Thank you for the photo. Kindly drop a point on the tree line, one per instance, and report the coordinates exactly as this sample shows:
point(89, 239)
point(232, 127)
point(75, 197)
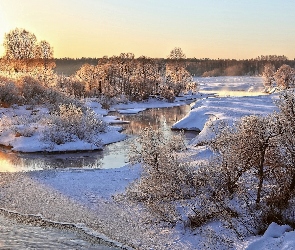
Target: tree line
point(123, 75)
point(197, 67)
point(232, 67)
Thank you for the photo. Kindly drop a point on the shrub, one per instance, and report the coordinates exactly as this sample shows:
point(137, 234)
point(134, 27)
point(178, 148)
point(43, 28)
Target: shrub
point(71, 86)
point(285, 77)
point(32, 91)
point(20, 125)
point(70, 123)
point(167, 93)
point(165, 179)
point(8, 93)
point(251, 178)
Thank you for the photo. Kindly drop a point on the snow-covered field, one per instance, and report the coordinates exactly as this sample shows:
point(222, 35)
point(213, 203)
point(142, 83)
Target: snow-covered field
point(231, 85)
point(86, 196)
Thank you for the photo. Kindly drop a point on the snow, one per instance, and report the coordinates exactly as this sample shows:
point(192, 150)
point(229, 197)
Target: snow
point(89, 185)
point(95, 189)
point(33, 143)
point(227, 85)
point(93, 104)
point(275, 237)
point(136, 107)
point(210, 111)
point(229, 108)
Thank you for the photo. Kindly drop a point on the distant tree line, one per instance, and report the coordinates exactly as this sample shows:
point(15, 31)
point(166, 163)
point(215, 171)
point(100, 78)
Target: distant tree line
point(197, 67)
point(68, 66)
point(232, 67)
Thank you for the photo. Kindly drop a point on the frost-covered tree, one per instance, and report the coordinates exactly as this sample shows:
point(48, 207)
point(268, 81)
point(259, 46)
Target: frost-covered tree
point(25, 57)
point(178, 79)
point(245, 147)
point(285, 157)
point(268, 75)
point(45, 54)
point(137, 79)
point(88, 74)
point(20, 44)
point(176, 54)
point(147, 78)
point(251, 178)
point(165, 178)
point(285, 77)
point(20, 47)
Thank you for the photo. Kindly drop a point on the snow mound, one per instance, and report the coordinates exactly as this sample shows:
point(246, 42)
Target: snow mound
point(275, 237)
point(275, 231)
point(210, 111)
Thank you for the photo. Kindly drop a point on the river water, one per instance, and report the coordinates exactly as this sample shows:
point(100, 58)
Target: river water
point(15, 235)
point(113, 156)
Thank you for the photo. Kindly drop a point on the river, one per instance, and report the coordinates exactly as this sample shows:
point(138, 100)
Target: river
point(15, 235)
point(113, 156)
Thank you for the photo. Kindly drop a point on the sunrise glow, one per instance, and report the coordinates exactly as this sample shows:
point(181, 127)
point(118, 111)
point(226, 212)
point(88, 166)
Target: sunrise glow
point(213, 29)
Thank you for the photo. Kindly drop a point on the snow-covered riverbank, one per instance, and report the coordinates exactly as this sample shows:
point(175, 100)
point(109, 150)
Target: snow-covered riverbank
point(22, 128)
point(87, 196)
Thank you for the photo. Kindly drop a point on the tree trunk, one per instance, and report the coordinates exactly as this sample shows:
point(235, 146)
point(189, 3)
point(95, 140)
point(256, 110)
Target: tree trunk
point(261, 173)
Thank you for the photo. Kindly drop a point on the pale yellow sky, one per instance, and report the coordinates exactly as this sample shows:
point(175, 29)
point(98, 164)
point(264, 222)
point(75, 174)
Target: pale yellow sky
point(211, 28)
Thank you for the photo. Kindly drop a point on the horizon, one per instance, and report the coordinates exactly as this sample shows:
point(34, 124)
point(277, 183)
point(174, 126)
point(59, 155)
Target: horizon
point(214, 29)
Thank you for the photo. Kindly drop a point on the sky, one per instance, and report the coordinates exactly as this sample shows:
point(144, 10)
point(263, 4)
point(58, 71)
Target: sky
point(228, 29)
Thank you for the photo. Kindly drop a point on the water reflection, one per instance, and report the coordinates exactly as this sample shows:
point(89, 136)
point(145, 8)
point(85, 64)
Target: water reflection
point(162, 118)
point(113, 156)
point(9, 162)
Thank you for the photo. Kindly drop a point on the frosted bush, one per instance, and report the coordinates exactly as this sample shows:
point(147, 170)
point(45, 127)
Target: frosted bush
point(32, 91)
point(5, 123)
point(167, 93)
point(69, 123)
point(8, 93)
point(165, 179)
point(19, 125)
point(55, 98)
point(45, 75)
point(72, 86)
